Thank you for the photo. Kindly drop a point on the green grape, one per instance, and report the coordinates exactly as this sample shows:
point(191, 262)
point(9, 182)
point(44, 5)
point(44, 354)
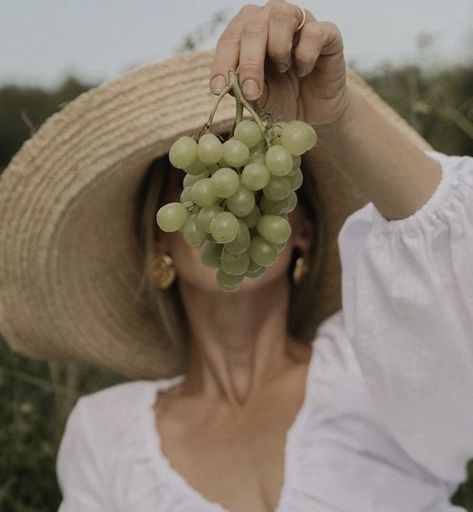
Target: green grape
point(292, 202)
point(256, 158)
point(235, 153)
point(242, 240)
point(278, 160)
point(229, 289)
point(224, 227)
point(210, 253)
point(209, 149)
point(296, 179)
point(262, 252)
point(228, 282)
point(203, 194)
point(239, 237)
point(248, 132)
point(252, 266)
point(186, 195)
point(274, 207)
point(274, 228)
point(296, 163)
point(193, 235)
point(259, 148)
point(190, 179)
point(255, 176)
point(225, 182)
point(274, 134)
point(205, 216)
point(234, 264)
point(298, 137)
point(256, 274)
point(183, 152)
point(242, 202)
point(277, 188)
point(172, 216)
point(213, 167)
point(196, 167)
point(253, 217)
point(281, 247)
point(254, 270)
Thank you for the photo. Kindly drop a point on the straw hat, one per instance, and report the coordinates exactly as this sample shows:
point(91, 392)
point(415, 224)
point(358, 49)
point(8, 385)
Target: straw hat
point(70, 263)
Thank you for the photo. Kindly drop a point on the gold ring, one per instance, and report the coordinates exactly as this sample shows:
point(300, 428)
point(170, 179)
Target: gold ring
point(301, 24)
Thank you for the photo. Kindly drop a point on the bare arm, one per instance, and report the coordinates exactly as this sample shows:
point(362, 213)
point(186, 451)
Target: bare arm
point(393, 173)
point(396, 176)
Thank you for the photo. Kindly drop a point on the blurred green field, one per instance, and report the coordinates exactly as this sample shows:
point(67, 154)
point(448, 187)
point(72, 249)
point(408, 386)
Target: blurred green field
point(36, 397)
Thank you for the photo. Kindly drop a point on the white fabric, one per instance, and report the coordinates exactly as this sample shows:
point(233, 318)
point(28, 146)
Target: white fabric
point(387, 420)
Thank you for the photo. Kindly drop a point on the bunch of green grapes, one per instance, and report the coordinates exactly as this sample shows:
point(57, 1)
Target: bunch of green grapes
point(237, 196)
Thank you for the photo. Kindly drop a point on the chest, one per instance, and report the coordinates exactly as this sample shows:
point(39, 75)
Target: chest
point(237, 462)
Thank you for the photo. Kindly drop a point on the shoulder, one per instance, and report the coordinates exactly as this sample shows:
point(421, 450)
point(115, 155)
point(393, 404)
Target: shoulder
point(119, 400)
point(113, 415)
point(103, 430)
point(107, 425)
point(114, 397)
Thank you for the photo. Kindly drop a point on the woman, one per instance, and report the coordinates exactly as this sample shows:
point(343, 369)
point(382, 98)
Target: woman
point(370, 412)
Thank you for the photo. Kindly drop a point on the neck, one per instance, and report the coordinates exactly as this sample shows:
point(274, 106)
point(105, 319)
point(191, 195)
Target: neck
point(238, 341)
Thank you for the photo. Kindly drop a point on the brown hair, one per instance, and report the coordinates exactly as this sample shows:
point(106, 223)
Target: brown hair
point(166, 305)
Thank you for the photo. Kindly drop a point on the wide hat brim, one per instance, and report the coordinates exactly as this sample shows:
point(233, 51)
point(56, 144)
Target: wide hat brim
point(70, 262)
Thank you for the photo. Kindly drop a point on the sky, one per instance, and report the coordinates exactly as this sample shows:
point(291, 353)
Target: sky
point(45, 40)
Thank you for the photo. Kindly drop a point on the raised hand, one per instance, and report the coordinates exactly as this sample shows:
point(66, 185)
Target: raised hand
point(289, 74)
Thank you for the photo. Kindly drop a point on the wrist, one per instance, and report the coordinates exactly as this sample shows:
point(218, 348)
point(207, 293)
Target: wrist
point(328, 133)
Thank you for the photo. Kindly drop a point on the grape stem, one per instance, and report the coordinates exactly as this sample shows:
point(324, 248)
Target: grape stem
point(236, 89)
point(209, 122)
point(238, 116)
point(233, 87)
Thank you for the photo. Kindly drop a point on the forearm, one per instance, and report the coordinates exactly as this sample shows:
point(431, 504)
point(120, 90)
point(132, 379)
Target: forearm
point(396, 176)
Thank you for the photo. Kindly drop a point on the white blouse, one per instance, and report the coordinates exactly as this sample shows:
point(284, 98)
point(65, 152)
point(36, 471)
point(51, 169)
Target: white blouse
point(387, 419)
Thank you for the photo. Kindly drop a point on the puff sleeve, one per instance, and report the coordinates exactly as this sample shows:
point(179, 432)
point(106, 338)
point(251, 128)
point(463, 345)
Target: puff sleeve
point(407, 293)
point(78, 467)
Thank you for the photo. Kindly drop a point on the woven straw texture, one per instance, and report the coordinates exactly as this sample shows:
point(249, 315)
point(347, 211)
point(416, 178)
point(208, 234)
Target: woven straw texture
point(70, 263)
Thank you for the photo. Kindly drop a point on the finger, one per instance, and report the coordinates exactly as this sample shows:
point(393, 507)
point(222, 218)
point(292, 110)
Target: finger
point(253, 42)
point(283, 21)
point(317, 38)
point(227, 51)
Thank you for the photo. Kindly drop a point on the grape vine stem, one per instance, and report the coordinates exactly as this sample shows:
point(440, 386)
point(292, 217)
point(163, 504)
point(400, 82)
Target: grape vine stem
point(233, 87)
point(209, 122)
point(238, 115)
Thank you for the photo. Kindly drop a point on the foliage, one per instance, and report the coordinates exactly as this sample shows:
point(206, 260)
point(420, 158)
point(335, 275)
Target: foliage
point(439, 107)
point(23, 109)
point(37, 396)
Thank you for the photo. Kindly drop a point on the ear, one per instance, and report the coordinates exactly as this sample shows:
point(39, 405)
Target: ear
point(160, 244)
point(303, 232)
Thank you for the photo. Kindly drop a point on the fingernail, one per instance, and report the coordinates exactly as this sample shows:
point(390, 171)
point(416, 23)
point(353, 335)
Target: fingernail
point(250, 89)
point(282, 67)
point(303, 72)
point(217, 84)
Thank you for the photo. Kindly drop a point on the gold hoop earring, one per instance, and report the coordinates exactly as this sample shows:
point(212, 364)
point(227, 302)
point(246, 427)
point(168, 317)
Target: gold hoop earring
point(300, 270)
point(163, 271)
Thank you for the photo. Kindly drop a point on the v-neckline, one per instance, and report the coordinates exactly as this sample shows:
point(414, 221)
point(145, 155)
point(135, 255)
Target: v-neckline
point(163, 466)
